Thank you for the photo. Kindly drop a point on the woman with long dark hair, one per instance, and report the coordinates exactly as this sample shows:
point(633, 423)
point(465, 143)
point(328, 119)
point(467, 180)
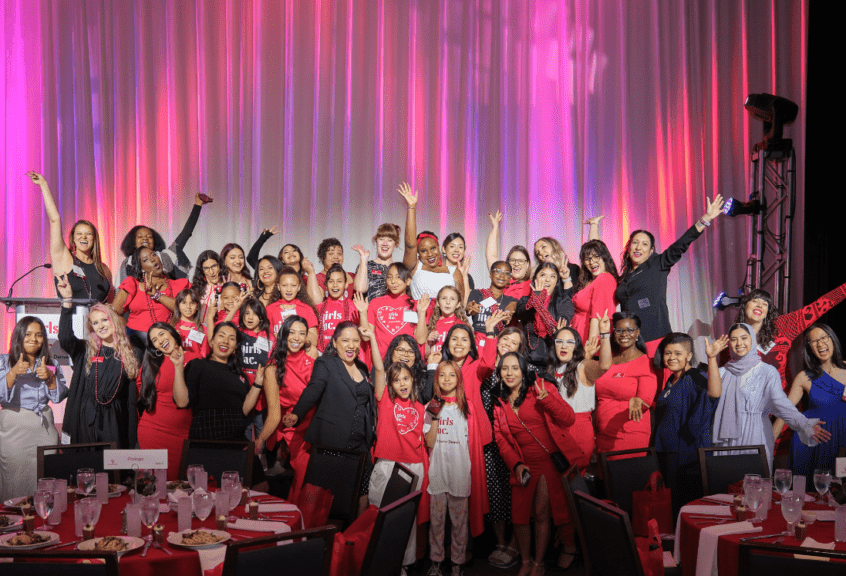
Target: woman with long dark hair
point(80, 259)
point(594, 291)
point(547, 308)
point(208, 279)
point(162, 425)
point(235, 269)
point(267, 275)
point(30, 379)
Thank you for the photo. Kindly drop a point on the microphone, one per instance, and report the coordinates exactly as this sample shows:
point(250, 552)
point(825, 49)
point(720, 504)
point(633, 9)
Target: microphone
point(47, 265)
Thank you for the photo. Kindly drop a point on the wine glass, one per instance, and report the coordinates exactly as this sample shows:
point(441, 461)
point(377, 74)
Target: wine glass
point(782, 480)
point(203, 504)
point(746, 480)
point(150, 512)
point(192, 474)
point(43, 502)
point(755, 495)
point(85, 480)
point(822, 479)
point(791, 508)
point(48, 484)
point(232, 482)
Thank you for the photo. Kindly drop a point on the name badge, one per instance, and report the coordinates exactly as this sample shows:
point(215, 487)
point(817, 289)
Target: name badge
point(78, 271)
point(488, 302)
point(410, 316)
point(195, 336)
point(643, 303)
point(288, 312)
point(262, 344)
point(96, 358)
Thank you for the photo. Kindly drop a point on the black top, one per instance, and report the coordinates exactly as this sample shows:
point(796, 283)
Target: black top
point(560, 306)
point(87, 283)
point(182, 266)
point(101, 402)
point(377, 275)
point(211, 386)
point(644, 290)
point(337, 397)
point(253, 256)
point(479, 319)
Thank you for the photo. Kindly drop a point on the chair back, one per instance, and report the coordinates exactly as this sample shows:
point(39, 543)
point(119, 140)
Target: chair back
point(58, 563)
point(573, 482)
point(400, 484)
point(756, 558)
point(609, 541)
point(389, 538)
point(720, 470)
point(309, 554)
point(63, 460)
point(217, 457)
point(625, 475)
point(339, 471)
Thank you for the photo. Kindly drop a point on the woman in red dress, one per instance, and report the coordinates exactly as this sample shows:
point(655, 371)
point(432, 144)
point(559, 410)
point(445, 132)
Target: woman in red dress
point(162, 425)
point(594, 289)
point(625, 392)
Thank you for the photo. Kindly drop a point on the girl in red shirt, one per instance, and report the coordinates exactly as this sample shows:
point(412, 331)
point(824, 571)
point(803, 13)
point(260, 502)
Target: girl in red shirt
point(399, 431)
point(225, 308)
point(448, 311)
point(287, 375)
point(390, 315)
point(186, 320)
point(294, 301)
point(233, 259)
point(336, 308)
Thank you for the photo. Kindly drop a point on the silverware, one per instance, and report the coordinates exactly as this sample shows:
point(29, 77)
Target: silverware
point(747, 538)
point(714, 521)
point(146, 548)
point(63, 545)
point(160, 547)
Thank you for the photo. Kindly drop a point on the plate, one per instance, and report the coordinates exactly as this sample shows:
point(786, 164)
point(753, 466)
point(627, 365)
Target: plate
point(15, 502)
point(120, 488)
point(134, 544)
point(52, 535)
point(14, 522)
point(175, 538)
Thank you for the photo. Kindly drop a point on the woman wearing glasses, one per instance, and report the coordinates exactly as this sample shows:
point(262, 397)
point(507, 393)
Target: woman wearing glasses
point(624, 393)
point(594, 288)
point(483, 302)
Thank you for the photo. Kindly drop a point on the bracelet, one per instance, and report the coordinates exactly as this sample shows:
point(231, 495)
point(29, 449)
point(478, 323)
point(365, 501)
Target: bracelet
point(605, 335)
point(155, 297)
point(259, 386)
point(703, 222)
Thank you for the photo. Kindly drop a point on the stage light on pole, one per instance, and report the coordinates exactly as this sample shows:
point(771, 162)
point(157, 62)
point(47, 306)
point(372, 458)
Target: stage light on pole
point(723, 301)
point(734, 207)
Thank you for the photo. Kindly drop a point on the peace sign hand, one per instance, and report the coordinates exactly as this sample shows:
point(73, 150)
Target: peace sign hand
point(177, 357)
point(63, 287)
point(495, 218)
point(540, 388)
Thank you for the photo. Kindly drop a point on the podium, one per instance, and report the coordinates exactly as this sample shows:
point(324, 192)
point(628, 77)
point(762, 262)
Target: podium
point(48, 310)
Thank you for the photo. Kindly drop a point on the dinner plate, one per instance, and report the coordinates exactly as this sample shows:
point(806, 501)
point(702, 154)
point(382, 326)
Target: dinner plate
point(15, 522)
point(53, 538)
point(175, 538)
point(15, 502)
point(134, 544)
point(120, 488)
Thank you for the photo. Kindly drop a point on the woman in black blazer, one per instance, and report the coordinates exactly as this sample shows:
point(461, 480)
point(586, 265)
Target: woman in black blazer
point(342, 392)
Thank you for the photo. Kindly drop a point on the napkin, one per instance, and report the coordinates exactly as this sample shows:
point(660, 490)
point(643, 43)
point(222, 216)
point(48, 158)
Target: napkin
point(697, 509)
point(824, 515)
point(727, 498)
point(164, 508)
point(811, 543)
point(274, 507)
point(176, 495)
point(212, 557)
point(259, 526)
point(706, 559)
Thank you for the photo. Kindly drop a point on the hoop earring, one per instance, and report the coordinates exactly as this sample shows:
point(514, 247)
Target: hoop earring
point(157, 353)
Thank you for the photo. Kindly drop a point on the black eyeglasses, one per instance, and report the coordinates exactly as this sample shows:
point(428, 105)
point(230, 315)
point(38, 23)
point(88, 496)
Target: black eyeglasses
point(628, 331)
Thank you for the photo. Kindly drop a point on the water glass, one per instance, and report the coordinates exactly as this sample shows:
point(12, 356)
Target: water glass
point(822, 480)
point(150, 512)
point(85, 480)
point(791, 508)
point(48, 484)
point(192, 474)
point(43, 502)
point(782, 478)
point(755, 495)
point(203, 504)
point(746, 480)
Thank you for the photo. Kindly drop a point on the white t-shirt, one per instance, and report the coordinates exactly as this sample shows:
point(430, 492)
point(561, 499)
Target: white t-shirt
point(449, 463)
point(583, 400)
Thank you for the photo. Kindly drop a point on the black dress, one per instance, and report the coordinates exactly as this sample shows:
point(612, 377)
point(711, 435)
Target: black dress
point(87, 283)
point(101, 401)
point(216, 396)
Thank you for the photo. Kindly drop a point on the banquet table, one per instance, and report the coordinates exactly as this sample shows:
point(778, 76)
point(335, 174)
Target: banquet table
point(728, 545)
point(183, 561)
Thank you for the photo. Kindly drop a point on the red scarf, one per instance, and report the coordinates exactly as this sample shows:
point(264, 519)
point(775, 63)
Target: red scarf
point(488, 293)
point(544, 322)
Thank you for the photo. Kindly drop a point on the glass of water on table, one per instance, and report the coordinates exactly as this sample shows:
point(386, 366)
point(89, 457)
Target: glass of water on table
point(782, 479)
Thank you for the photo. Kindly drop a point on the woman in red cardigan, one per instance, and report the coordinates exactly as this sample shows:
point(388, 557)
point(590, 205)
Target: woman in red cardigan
point(531, 424)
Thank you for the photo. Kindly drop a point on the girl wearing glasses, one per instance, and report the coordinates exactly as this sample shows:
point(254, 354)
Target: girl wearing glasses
point(625, 392)
point(485, 301)
point(594, 289)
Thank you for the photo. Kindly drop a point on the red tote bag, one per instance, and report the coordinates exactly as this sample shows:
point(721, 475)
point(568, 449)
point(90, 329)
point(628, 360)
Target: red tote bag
point(653, 502)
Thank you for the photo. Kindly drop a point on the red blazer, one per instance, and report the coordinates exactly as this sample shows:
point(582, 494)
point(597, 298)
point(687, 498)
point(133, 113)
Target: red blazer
point(559, 416)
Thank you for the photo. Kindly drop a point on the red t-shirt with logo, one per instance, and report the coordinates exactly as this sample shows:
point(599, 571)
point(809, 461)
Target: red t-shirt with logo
point(399, 429)
point(385, 315)
point(442, 326)
point(193, 348)
point(281, 309)
point(333, 312)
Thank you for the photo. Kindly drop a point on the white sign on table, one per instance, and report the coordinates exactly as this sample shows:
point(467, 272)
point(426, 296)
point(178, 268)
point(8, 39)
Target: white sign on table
point(129, 459)
point(840, 467)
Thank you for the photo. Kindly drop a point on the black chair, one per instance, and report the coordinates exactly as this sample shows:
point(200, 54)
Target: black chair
point(59, 563)
point(309, 555)
point(400, 484)
point(771, 559)
point(217, 457)
point(625, 475)
point(718, 471)
point(391, 531)
point(66, 459)
point(573, 482)
point(609, 540)
point(339, 471)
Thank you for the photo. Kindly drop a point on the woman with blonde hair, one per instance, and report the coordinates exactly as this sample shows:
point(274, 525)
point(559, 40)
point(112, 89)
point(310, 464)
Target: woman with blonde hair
point(102, 399)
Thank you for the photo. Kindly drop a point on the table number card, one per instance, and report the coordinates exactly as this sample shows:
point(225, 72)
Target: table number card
point(129, 459)
point(840, 467)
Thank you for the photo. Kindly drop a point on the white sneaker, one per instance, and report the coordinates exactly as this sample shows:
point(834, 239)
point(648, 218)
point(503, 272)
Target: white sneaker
point(435, 570)
point(457, 571)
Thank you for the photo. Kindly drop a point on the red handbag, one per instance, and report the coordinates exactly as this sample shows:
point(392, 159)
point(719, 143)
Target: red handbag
point(655, 502)
point(650, 551)
point(314, 503)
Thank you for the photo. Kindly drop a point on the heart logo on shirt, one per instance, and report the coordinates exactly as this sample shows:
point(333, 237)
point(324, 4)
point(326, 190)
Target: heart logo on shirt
point(406, 418)
point(390, 318)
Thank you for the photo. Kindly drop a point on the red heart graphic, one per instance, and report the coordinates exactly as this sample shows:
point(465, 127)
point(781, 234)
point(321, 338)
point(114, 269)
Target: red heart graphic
point(390, 318)
point(406, 418)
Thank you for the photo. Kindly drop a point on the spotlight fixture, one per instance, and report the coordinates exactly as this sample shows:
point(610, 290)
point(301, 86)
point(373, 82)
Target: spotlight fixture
point(734, 207)
point(723, 301)
point(776, 113)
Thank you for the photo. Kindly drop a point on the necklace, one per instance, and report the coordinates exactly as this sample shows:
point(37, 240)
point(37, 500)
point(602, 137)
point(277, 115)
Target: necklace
point(150, 303)
point(97, 382)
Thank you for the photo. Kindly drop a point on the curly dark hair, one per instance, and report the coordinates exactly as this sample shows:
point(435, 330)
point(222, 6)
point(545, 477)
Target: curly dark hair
point(324, 246)
point(595, 248)
point(199, 281)
point(766, 335)
point(127, 245)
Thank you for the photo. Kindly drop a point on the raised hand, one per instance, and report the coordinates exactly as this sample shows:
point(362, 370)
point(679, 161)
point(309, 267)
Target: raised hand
point(494, 319)
point(541, 389)
point(63, 287)
point(41, 371)
point(464, 266)
point(177, 357)
point(362, 251)
point(592, 346)
point(604, 322)
point(423, 305)
point(433, 337)
point(307, 266)
point(594, 220)
point(273, 231)
point(538, 285)
point(260, 375)
point(562, 323)
point(473, 308)
point(713, 349)
point(201, 199)
point(366, 332)
point(495, 218)
point(434, 357)
point(714, 208)
point(36, 177)
point(21, 367)
point(409, 194)
point(360, 303)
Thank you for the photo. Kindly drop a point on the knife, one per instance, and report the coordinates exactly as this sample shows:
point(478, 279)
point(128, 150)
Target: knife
point(762, 537)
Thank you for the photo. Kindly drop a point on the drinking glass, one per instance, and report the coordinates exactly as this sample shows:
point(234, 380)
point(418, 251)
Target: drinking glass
point(746, 479)
point(203, 504)
point(791, 508)
point(150, 512)
point(231, 482)
point(43, 502)
point(96, 508)
point(86, 510)
point(822, 479)
point(192, 474)
point(85, 480)
point(48, 484)
point(755, 495)
point(782, 480)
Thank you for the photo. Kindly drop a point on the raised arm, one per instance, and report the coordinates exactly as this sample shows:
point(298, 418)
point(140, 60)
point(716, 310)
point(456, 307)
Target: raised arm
point(60, 256)
point(713, 349)
point(379, 382)
point(180, 388)
point(593, 232)
point(409, 257)
point(178, 245)
point(421, 330)
point(595, 369)
point(361, 280)
point(255, 250)
point(801, 385)
point(713, 209)
point(67, 339)
point(492, 245)
point(313, 289)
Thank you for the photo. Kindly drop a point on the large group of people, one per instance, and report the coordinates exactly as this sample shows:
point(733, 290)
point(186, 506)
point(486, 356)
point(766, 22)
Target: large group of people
point(486, 390)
